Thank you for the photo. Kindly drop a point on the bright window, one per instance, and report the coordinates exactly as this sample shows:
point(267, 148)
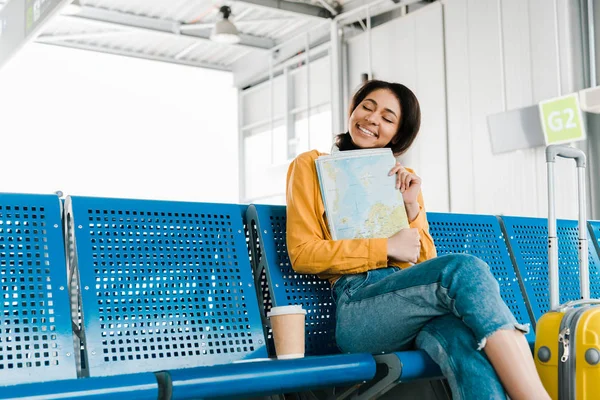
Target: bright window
point(314, 132)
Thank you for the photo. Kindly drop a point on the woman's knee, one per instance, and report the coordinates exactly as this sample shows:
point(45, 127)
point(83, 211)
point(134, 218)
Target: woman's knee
point(466, 267)
point(466, 262)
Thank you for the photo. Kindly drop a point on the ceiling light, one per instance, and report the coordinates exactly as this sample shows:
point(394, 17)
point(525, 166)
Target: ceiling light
point(224, 30)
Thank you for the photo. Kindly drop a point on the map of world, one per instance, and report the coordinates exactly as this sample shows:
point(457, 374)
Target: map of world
point(361, 200)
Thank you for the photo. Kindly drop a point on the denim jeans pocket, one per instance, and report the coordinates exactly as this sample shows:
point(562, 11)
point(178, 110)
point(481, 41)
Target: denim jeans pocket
point(357, 282)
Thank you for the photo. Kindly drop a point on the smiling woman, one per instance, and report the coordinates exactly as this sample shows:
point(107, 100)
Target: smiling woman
point(382, 114)
point(394, 293)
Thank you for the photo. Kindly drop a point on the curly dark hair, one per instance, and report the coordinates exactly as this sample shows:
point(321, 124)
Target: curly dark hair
point(410, 116)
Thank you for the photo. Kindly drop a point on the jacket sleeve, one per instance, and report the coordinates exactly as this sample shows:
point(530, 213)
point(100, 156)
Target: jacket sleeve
point(310, 248)
point(428, 250)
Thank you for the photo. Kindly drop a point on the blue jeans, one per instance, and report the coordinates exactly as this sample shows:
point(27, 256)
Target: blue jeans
point(447, 306)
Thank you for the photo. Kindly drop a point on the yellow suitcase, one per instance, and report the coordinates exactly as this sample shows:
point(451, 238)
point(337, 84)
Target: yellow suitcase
point(567, 345)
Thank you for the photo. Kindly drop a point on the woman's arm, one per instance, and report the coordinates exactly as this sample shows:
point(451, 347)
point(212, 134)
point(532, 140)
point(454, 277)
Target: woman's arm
point(309, 245)
point(420, 222)
point(409, 184)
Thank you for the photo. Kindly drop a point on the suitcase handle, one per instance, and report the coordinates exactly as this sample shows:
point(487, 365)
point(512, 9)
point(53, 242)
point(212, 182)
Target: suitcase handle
point(575, 303)
point(552, 152)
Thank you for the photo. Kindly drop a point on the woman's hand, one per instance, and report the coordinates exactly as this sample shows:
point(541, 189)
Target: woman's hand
point(407, 182)
point(404, 246)
point(410, 186)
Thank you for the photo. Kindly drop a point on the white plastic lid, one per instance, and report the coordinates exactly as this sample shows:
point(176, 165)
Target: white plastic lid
point(283, 310)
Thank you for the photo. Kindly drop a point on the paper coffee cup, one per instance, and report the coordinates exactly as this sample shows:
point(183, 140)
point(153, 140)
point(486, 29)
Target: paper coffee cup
point(287, 324)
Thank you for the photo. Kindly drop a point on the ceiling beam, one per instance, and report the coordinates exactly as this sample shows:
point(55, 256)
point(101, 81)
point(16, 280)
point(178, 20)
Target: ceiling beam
point(133, 54)
point(236, 22)
point(78, 36)
point(293, 8)
point(138, 23)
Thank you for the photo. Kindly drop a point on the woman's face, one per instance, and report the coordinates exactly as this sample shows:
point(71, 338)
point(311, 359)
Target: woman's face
point(375, 121)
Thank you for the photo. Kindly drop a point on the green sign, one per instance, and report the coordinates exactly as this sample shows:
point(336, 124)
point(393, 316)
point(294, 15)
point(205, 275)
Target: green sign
point(562, 121)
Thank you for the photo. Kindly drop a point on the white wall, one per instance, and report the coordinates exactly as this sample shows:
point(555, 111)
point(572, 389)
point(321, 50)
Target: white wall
point(410, 50)
point(465, 60)
point(101, 125)
point(501, 56)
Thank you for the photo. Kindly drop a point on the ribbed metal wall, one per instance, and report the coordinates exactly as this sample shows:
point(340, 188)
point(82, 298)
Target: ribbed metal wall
point(492, 56)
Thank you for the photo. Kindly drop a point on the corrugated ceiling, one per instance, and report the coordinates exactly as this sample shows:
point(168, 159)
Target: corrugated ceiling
point(160, 29)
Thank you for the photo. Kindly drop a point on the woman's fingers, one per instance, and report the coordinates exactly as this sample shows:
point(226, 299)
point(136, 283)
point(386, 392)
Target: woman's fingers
point(400, 180)
point(407, 180)
point(395, 169)
point(403, 178)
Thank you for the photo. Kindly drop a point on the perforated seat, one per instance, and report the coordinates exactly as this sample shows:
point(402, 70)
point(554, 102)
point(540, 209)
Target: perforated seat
point(282, 286)
point(481, 236)
point(594, 229)
point(528, 239)
point(167, 286)
point(36, 342)
point(478, 235)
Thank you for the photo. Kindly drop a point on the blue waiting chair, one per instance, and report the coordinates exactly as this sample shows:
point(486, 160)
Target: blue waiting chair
point(528, 239)
point(36, 340)
point(478, 235)
point(37, 356)
point(284, 286)
point(482, 236)
point(594, 229)
point(167, 287)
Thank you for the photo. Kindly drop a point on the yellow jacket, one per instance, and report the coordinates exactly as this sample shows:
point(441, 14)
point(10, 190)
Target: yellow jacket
point(309, 243)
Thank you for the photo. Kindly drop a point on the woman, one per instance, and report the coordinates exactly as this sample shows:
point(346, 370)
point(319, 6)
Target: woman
point(393, 293)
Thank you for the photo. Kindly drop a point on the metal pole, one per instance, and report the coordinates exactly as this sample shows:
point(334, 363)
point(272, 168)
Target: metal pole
point(241, 149)
point(592, 41)
point(336, 80)
point(557, 45)
point(584, 272)
point(369, 49)
point(502, 60)
point(290, 129)
point(272, 105)
point(552, 241)
point(307, 65)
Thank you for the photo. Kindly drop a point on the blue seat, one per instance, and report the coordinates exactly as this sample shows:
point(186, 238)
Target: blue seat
point(481, 236)
point(36, 339)
point(528, 239)
point(594, 229)
point(167, 286)
point(37, 354)
point(478, 235)
point(286, 287)
point(283, 286)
